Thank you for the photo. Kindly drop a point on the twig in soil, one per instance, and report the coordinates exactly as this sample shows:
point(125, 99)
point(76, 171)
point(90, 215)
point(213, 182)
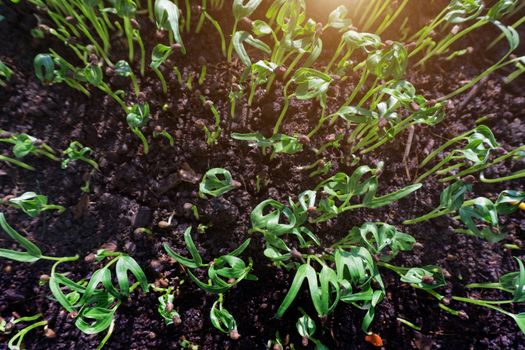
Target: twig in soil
point(472, 93)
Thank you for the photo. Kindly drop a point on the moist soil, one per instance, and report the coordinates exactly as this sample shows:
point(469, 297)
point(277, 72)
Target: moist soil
point(134, 190)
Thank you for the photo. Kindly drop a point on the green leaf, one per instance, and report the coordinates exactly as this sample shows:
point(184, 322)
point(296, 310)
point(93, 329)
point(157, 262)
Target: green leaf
point(196, 260)
point(159, 55)
point(216, 182)
point(338, 18)
point(508, 201)
point(427, 277)
point(95, 320)
point(93, 74)
point(241, 37)
point(138, 115)
point(242, 9)
point(484, 211)
point(304, 271)
point(272, 221)
point(44, 68)
point(167, 17)
point(32, 254)
point(123, 69)
point(127, 264)
point(305, 326)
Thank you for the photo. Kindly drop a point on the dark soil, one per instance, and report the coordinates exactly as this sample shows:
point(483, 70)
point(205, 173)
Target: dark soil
point(133, 190)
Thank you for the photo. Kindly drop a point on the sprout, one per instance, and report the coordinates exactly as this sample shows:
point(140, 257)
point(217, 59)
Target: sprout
point(123, 69)
point(5, 74)
point(75, 152)
point(224, 272)
point(167, 17)
point(33, 204)
point(217, 182)
point(222, 320)
point(159, 55)
point(240, 11)
point(138, 117)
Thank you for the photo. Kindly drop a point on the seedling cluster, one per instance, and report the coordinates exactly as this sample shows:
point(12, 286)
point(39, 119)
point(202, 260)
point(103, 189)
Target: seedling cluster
point(358, 88)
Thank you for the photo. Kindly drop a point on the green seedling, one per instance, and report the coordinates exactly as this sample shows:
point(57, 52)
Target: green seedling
point(216, 182)
point(93, 75)
point(5, 74)
point(223, 272)
point(278, 144)
point(240, 10)
point(212, 136)
point(95, 301)
point(52, 69)
point(76, 152)
point(451, 200)
point(159, 55)
point(123, 69)
point(138, 117)
point(167, 16)
point(260, 72)
point(32, 204)
point(306, 328)
point(512, 283)
point(222, 320)
point(16, 342)
point(159, 132)
point(310, 84)
point(479, 143)
point(23, 145)
point(166, 308)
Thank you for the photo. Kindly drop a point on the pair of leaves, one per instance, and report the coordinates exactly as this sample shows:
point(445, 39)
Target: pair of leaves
point(216, 182)
point(240, 38)
point(224, 272)
point(389, 63)
point(221, 318)
point(380, 239)
point(138, 115)
point(482, 210)
point(32, 204)
point(280, 143)
point(324, 289)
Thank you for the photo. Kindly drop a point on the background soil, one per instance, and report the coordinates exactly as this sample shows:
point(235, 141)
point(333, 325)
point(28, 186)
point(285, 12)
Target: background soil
point(133, 190)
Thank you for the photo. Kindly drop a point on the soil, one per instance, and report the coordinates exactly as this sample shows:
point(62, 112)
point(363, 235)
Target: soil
point(134, 190)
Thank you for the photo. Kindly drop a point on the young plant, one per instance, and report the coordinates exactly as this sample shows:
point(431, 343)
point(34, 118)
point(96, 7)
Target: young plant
point(159, 55)
point(240, 11)
point(23, 145)
point(479, 143)
point(95, 301)
point(512, 283)
point(224, 272)
point(5, 74)
point(166, 308)
point(309, 84)
point(123, 69)
point(52, 68)
point(306, 328)
point(76, 152)
point(16, 342)
point(167, 16)
point(216, 182)
point(92, 74)
point(222, 320)
point(32, 204)
point(278, 144)
point(213, 135)
point(138, 117)
point(451, 200)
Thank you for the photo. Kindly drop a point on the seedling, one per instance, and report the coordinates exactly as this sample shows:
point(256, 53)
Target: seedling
point(5, 74)
point(513, 283)
point(159, 55)
point(240, 11)
point(166, 308)
point(23, 145)
point(222, 320)
point(306, 328)
point(76, 152)
point(16, 342)
point(167, 17)
point(32, 204)
point(138, 117)
point(123, 69)
point(279, 143)
point(216, 182)
point(213, 135)
point(224, 272)
point(32, 252)
point(309, 84)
